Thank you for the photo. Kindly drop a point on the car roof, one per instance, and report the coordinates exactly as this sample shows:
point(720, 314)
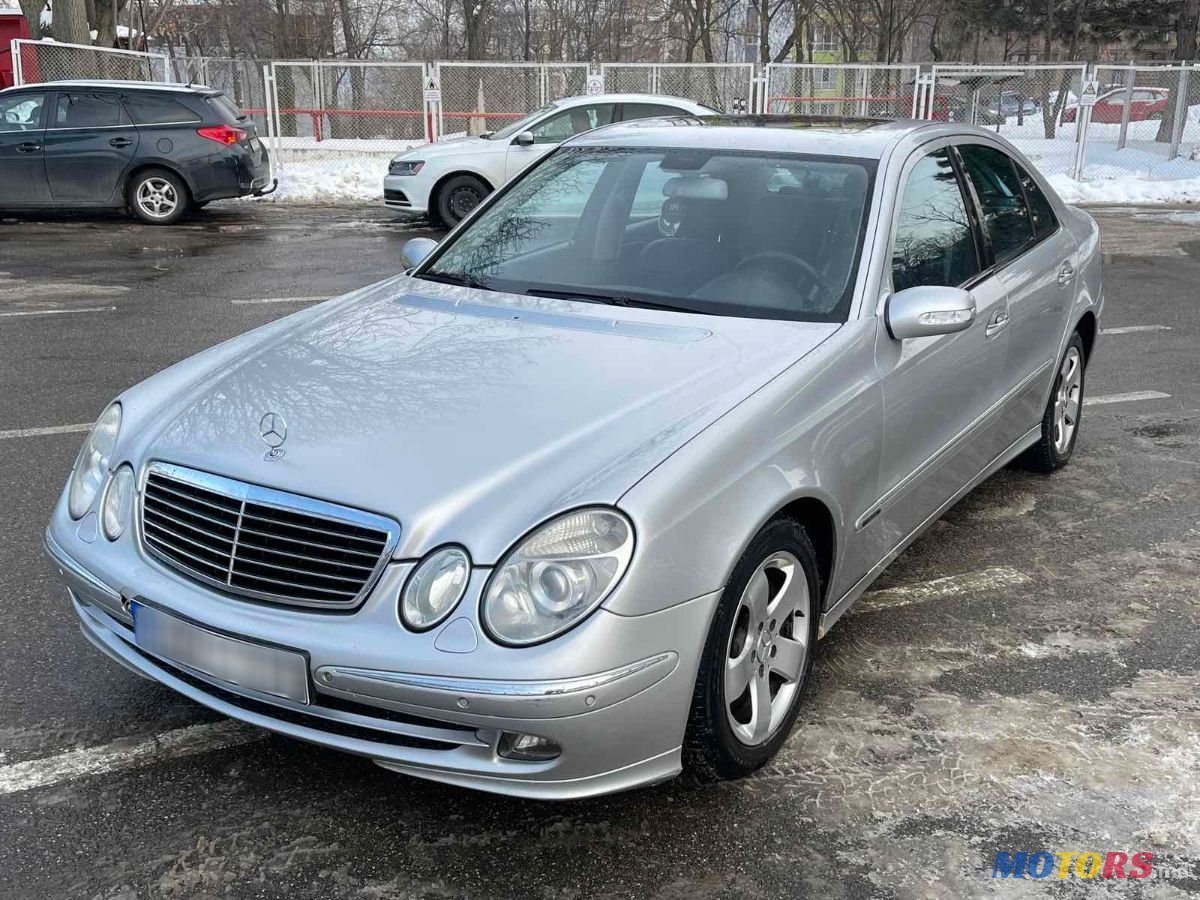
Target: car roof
point(581, 99)
point(824, 135)
point(123, 85)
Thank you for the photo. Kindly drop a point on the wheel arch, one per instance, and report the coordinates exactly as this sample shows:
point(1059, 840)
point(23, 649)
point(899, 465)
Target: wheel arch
point(143, 165)
point(818, 522)
point(436, 191)
point(1086, 326)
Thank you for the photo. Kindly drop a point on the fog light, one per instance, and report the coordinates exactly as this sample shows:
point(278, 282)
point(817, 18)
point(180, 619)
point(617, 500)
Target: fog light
point(527, 747)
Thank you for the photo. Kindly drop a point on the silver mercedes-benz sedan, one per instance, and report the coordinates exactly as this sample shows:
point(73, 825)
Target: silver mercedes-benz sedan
point(565, 507)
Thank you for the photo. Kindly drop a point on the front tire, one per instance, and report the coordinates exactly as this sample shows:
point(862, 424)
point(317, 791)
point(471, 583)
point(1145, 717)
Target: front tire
point(158, 197)
point(458, 196)
point(1064, 412)
point(757, 657)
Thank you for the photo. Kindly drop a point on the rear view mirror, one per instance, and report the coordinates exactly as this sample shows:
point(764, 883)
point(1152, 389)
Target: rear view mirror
point(929, 310)
point(413, 253)
point(525, 138)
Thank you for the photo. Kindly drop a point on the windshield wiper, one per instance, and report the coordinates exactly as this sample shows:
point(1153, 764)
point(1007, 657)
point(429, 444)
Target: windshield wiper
point(608, 299)
point(459, 278)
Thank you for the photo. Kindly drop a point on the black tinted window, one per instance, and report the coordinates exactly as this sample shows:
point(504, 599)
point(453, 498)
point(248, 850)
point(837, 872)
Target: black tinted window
point(1044, 221)
point(648, 111)
point(934, 243)
point(225, 108)
point(1004, 214)
point(88, 111)
point(157, 109)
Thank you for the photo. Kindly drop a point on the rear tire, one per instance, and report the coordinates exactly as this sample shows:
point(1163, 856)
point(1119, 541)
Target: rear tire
point(158, 197)
point(1063, 415)
point(458, 196)
point(759, 647)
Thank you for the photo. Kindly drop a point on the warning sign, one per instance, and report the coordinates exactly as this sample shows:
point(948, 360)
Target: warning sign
point(1087, 96)
point(433, 90)
point(595, 85)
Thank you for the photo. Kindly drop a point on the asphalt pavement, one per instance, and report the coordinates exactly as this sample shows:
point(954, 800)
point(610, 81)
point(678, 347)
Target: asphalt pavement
point(1026, 677)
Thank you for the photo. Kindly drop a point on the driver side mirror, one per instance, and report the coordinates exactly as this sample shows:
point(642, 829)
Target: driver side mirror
point(413, 253)
point(929, 310)
point(524, 139)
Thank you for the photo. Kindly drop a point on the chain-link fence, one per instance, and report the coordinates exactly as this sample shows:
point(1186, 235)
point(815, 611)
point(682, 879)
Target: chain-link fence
point(39, 61)
point(1029, 105)
point(860, 89)
point(1145, 121)
point(482, 96)
point(726, 87)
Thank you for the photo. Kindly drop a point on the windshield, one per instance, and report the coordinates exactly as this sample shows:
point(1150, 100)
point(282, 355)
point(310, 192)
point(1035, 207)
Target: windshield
point(521, 124)
point(721, 232)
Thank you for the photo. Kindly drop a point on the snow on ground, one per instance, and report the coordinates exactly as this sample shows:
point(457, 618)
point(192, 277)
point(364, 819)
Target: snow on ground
point(354, 179)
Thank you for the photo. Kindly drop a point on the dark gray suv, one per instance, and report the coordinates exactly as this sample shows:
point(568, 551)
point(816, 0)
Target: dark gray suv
point(157, 149)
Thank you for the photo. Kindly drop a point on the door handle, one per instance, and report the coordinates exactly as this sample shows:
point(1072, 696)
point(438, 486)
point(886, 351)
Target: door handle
point(28, 147)
point(997, 323)
point(1065, 274)
point(120, 142)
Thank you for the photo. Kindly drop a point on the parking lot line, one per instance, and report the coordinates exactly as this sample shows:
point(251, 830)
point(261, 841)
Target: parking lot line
point(38, 432)
point(1130, 397)
point(278, 300)
point(54, 312)
point(124, 754)
point(1134, 329)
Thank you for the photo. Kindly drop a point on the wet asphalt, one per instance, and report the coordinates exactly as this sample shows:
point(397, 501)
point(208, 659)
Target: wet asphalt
point(1046, 697)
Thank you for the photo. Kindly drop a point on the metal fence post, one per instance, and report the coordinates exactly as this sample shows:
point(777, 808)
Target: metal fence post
point(1181, 110)
point(1129, 80)
point(15, 50)
point(1082, 126)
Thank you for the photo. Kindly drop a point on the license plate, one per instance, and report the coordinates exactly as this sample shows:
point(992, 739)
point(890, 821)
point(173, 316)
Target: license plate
point(245, 664)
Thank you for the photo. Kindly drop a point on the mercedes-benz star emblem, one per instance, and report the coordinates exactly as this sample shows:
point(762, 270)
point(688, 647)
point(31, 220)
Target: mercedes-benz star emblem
point(273, 429)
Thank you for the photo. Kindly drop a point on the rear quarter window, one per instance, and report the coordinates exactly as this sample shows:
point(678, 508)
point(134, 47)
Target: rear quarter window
point(158, 109)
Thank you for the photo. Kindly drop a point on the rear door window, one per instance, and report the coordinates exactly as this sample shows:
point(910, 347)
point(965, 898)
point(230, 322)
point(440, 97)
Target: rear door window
point(1005, 216)
point(631, 111)
point(88, 110)
point(158, 109)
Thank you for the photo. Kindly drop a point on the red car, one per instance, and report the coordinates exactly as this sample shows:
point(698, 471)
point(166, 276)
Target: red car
point(1146, 103)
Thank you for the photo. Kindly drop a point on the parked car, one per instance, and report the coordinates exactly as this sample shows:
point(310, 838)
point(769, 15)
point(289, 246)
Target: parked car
point(447, 179)
point(1145, 103)
point(157, 149)
point(568, 507)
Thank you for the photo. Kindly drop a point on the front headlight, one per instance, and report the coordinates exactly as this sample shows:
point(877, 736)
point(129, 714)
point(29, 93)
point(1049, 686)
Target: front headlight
point(557, 575)
point(434, 588)
point(117, 504)
point(91, 466)
point(405, 166)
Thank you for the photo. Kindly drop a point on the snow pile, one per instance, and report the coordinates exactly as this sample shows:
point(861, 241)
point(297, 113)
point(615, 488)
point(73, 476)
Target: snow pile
point(357, 179)
point(1131, 189)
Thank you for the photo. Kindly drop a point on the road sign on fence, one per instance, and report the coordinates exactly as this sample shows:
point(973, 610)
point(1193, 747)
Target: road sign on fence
point(433, 90)
point(1087, 97)
point(595, 85)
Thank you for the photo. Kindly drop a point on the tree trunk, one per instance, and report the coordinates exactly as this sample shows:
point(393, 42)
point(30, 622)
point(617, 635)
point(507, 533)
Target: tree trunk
point(33, 16)
point(107, 14)
point(70, 22)
point(1185, 50)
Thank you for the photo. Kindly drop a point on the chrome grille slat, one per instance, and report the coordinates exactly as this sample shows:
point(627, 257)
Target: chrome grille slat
point(250, 516)
point(262, 543)
point(280, 537)
point(188, 525)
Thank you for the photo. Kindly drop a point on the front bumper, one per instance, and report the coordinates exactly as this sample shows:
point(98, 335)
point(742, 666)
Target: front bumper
point(619, 726)
point(407, 193)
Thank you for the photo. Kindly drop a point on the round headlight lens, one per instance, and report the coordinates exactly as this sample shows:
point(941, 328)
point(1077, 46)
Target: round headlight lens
point(117, 503)
point(91, 466)
point(434, 588)
point(557, 575)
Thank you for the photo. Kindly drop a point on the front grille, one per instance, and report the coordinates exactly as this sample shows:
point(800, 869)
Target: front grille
point(262, 543)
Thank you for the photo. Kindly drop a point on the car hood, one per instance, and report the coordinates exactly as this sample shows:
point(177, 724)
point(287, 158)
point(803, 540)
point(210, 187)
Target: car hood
point(468, 416)
point(454, 147)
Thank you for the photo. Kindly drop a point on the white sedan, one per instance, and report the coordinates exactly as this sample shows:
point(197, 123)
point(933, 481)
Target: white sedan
point(447, 179)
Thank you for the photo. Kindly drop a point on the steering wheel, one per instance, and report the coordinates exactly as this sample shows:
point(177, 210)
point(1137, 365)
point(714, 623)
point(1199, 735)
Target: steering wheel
point(785, 264)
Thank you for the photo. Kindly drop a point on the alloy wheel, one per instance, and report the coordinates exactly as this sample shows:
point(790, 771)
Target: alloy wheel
point(1067, 400)
point(157, 197)
point(767, 649)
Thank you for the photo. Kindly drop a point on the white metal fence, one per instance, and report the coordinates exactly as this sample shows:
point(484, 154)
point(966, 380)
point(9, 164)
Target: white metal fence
point(859, 89)
point(1145, 123)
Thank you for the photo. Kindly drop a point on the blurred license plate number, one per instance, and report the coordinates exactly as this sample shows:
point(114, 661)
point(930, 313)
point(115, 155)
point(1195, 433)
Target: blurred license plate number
point(257, 667)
